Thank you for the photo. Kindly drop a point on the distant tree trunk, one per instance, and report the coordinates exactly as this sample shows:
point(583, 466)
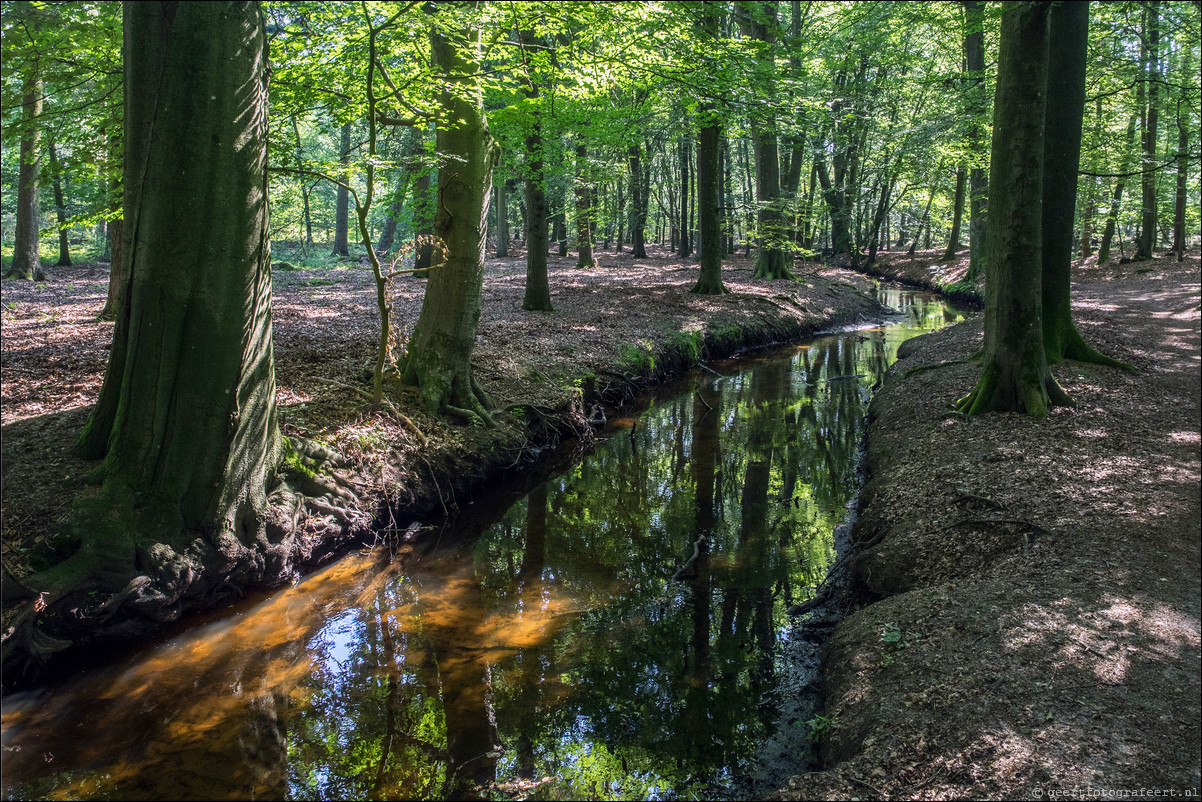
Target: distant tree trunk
point(307, 219)
point(1179, 205)
point(1069, 34)
point(342, 210)
point(682, 152)
point(709, 173)
point(440, 350)
point(584, 204)
point(1015, 375)
point(1151, 77)
point(978, 179)
point(561, 227)
point(1091, 209)
point(835, 202)
point(621, 214)
point(502, 219)
point(926, 213)
point(423, 220)
point(1116, 199)
point(728, 194)
point(953, 242)
point(770, 261)
point(60, 208)
point(388, 232)
point(638, 206)
point(538, 291)
point(27, 263)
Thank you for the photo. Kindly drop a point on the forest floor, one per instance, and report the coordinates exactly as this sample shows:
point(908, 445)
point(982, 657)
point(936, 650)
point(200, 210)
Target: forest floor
point(1035, 587)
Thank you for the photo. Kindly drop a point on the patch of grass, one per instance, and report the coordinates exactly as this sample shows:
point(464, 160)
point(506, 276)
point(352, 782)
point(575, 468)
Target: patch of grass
point(638, 358)
point(684, 347)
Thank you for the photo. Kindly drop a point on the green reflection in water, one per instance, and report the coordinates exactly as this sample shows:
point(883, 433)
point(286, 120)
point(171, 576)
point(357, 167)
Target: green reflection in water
point(612, 633)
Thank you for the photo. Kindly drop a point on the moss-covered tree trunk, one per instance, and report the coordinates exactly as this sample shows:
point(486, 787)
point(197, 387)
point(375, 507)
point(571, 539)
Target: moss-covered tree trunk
point(440, 350)
point(1065, 111)
point(1015, 375)
point(186, 420)
point(27, 264)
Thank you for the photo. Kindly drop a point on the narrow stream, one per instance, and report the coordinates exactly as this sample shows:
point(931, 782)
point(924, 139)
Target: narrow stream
point(618, 631)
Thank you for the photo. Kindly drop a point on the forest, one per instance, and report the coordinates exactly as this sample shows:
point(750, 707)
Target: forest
point(693, 399)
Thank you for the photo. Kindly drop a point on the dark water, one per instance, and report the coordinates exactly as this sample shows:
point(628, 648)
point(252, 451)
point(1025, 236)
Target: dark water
point(618, 631)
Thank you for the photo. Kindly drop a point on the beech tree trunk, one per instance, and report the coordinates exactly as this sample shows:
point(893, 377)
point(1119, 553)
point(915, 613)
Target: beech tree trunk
point(1069, 33)
point(978, 179)
point(502, 219)
point(27, 263)
point(584, 203)
point(186, 420)
point(638, 206)
point(342, 209)
point(1015, 375)
point(1147, 230)
point(60, 208)
point(440, 350)
point(538, 291)
point(709, 174)
point(1116, 199)
point(953, 241)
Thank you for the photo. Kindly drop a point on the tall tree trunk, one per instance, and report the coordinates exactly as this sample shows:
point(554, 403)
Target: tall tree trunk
point(638, 206)
point(1116, 199)
point(684, 250)
point(622, 215)
point(709, 174)
point(770, 261)
point(116, 304)
point(27, 263)
point(342, 209)
point(440, 351)
point(308, 218)
point(186, 420)
point(1069, 33)
point(388, 232)
point(60, 208)
point(502, 219)
point(953, 241)
point(1015, 375)
point(538, 292)
point(1151, 78)
point(978, 179)
point(1179, 205)
point(584, 212)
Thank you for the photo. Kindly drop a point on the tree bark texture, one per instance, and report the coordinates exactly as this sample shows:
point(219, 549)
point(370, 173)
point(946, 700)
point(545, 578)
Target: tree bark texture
point(1015, 375)
point(440, 351)
point(538, 291)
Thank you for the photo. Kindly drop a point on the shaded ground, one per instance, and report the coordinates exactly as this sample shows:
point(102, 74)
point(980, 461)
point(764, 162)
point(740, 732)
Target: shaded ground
point(614, 328)
point(1037, 622)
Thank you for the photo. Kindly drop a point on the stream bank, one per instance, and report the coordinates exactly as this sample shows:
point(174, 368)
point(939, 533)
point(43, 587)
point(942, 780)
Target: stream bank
point(1029, 590)
point(616, 329)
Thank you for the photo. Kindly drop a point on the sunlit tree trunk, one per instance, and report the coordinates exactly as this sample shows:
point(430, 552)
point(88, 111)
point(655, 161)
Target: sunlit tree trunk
point(440, 350)
point(1151, 78)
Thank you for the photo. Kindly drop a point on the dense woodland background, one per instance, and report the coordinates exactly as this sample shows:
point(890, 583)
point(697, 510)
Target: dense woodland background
point(849, 127)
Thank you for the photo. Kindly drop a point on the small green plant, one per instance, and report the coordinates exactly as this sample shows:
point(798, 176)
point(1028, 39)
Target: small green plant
point(894, 640)
point(638, 358)
point(820, 727)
